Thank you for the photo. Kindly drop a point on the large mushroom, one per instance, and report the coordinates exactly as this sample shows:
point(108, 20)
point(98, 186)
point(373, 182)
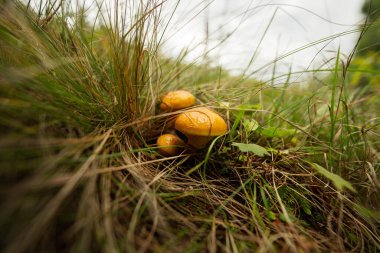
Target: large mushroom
point(176, 100)
point(200, 125)
point(169, 144)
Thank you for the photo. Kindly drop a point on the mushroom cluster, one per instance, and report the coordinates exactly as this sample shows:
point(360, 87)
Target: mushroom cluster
point(196, 126)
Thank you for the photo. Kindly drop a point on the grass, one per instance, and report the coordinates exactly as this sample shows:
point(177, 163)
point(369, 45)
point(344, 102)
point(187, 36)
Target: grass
point(80, 171)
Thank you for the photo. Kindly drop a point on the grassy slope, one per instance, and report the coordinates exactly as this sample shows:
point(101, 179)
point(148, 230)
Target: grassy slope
point(80, 171)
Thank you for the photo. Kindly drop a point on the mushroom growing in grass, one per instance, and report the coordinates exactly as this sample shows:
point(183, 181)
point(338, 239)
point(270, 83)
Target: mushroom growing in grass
point(176, 100)
point(170, 144)
point(200, 125)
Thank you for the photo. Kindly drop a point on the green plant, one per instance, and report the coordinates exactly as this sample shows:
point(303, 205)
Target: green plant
point(297, 171)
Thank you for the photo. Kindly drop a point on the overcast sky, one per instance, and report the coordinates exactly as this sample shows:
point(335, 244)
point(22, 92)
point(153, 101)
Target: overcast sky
point(240, 32)
point(295, 23)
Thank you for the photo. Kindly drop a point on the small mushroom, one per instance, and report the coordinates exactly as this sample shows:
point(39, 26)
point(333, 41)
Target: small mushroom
point(176, 100)
point(169, 144)
point(200, 125)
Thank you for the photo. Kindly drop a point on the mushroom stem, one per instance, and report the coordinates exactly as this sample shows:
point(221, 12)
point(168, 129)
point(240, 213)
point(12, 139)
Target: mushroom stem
point(169, 124)
point(198, 142)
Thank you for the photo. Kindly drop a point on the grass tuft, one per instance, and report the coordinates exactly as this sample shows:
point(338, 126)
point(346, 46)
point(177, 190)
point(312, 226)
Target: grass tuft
point(298, 170)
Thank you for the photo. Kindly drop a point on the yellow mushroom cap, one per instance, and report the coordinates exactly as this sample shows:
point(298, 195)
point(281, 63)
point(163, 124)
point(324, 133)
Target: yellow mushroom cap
point(169, 144)
point(176, 100)
point(200, 122)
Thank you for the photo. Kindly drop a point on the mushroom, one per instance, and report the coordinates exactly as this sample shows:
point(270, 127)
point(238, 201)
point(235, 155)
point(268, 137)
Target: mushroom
point(169, 144)
point(176, 100)
point(200, 125)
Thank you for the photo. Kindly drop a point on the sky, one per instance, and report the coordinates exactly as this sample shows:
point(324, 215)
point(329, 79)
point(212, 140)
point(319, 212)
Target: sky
point(242, 31)
point(256, 37)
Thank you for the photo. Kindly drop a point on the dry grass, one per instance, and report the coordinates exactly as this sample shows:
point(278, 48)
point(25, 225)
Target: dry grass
point(79, 166)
